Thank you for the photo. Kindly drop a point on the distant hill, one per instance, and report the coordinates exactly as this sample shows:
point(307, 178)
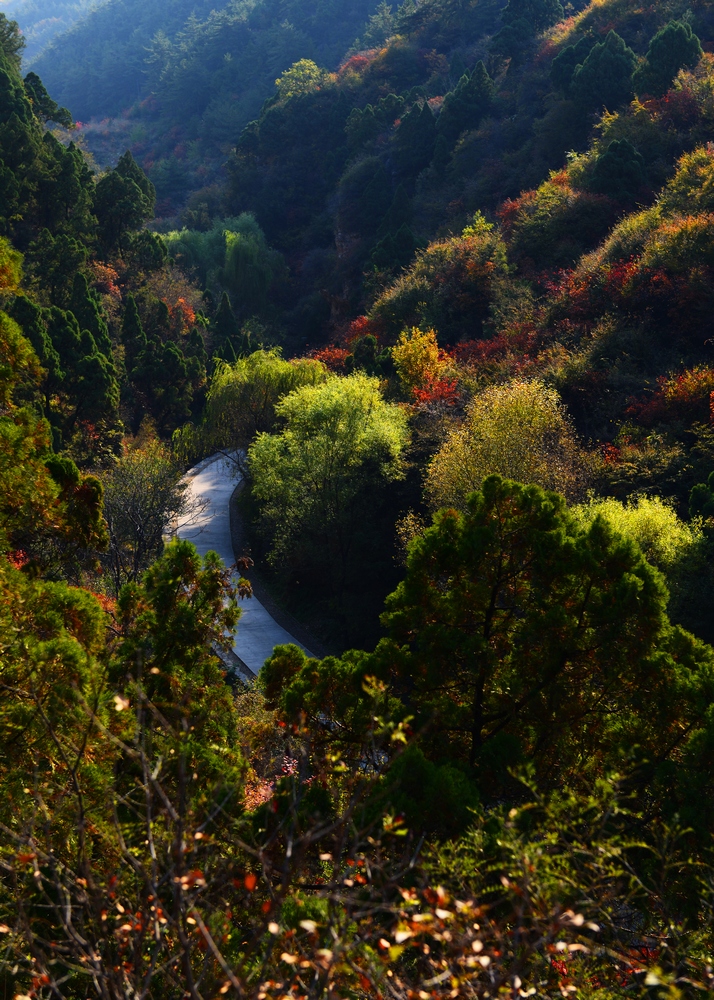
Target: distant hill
point(41, 20)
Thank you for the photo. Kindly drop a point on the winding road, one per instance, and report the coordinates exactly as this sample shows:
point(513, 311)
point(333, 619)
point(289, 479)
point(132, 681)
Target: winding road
point(211, 484)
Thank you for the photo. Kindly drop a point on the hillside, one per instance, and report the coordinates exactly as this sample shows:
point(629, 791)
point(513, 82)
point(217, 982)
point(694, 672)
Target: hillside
point(40, 21)
point(440, 281)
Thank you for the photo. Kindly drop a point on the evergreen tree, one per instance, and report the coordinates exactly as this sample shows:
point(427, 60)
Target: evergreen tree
point(123, 200)
point(11, 41)
point(563, 66)
point(674, 47)
point(415, 139)
point(29, 317)
point(43, 106)
point(132, 333)
point(226, 328)
point(399, 214)
point(605, 78)
point(619, 171)
point(465, 106)
point(86, 306)
point(540, 14)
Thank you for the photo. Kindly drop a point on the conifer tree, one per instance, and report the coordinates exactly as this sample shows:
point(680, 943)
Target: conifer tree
point(415, 138)
point(86, 306)
point(605, 78)
point(465, 106)
point(132, 333)
point(674, 47)
point(226, 328)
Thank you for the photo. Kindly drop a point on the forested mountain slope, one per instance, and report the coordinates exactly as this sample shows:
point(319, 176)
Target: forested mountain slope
point(449, 296)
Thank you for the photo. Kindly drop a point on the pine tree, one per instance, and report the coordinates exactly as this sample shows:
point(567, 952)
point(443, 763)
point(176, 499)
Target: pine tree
point(132, 333)
point(225, 326)
point(605, 78)
point(415, 139)
point(465, 106)
point(674, 47)
point(86, 306)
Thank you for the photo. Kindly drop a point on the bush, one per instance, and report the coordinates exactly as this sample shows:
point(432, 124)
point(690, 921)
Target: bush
point(519, 430)
point(314, 479)
point(448, 288)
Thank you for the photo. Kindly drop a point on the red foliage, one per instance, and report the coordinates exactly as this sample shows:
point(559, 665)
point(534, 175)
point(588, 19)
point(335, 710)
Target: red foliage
point(678, 109)
point(358, 63)
point(18, 558)
point(357, 329)
point(436, 390)
point(685, 398)
point(332, 356)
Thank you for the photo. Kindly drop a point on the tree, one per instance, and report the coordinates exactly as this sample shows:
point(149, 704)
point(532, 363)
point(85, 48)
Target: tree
point(304, 77)
point(605, 77)
point(565, 63)
point(515, 628)
point(448, 287)
point(11, 41)
point(619, 171)
point(124, 199)
point(56, 260)
point(313, 479)
point(226, 328)
point(133, 336)
point(417, 358)
point(86, 306)
point(414, 139)
point(465, 106)
point(519, 430)
point(143, 496)
point(674, 47)
point(43, 106)
point(540, 14)
point(242, 400)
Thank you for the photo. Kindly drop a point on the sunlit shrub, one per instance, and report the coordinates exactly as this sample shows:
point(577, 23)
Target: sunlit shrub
point(650, 521)
point(520, 431)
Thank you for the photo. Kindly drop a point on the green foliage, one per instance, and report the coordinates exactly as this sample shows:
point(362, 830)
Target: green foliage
point(11, 41)
point(650, 522)
point(303, 77)
point(43, 106)
point(618, 171)
point(466, 105)
point(448, 287)
point(313, 479)
point(605, 76)
point(565, 63)
point(124, 199)
point(414, 140)
point(519, 430)
point(143, 495)
point(242, 399)
point(233, 255)
point(674, 47)
point(591, 613)
point(539, 14)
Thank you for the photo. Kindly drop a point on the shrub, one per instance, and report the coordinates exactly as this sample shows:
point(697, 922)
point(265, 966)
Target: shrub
point(448, 288)
point(520, 431)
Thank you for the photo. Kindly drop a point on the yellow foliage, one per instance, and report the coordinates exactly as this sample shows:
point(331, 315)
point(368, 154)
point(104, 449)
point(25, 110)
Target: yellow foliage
point(10, 267)
point(520, 431)
point(416, 358)
point(650, 521)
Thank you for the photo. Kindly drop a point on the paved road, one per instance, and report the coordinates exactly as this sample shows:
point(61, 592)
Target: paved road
point(213, 482)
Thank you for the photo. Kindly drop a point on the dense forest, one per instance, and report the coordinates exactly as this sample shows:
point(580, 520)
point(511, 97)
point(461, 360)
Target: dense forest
point(440, 277)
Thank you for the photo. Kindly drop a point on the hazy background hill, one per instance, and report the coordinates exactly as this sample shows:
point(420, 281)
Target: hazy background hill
point(41, 20)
